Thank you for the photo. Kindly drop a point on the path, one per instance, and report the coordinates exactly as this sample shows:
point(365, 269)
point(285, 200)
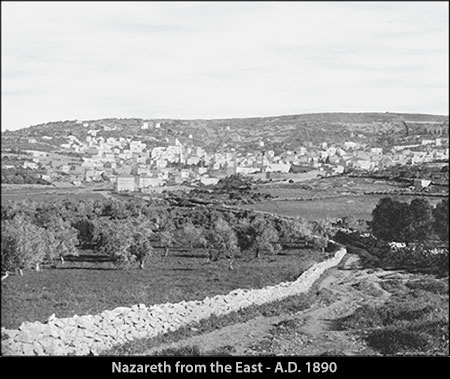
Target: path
point(309, 332)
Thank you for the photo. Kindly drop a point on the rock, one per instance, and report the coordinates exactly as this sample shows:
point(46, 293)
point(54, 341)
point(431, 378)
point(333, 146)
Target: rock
point(120, 310)
point(82, 349)
point(10, 334)
point(9, 347)
point(24, 336)
point(28, 349)
point(49, 344)
point(38, 348)
point(55, 331)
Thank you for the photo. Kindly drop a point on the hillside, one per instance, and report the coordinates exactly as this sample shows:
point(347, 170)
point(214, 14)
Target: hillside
point(277, 132)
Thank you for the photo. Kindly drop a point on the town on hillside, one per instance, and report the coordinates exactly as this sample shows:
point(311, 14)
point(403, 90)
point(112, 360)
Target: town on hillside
point(128, 164)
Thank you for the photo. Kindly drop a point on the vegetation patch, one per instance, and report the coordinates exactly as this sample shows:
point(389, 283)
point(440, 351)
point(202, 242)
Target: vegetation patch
point(413, 321)
point(90, 288)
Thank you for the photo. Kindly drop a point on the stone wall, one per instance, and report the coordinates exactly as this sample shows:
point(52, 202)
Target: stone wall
point(84, 335)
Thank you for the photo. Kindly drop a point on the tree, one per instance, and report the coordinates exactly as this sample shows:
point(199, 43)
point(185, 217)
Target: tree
point(115, 209)
point(390, 220)
point(193, 235)
point(63, 239)
point(323, 227)
point(266, 238)
point(440, 220)
point(86, 231)
point(318, 242)
point(223, 240)
point(24, 245)
point(421, 220)
point(140, 248)
point(166, 239)
point(259, 236)
point(113, 238)
point(296, 231)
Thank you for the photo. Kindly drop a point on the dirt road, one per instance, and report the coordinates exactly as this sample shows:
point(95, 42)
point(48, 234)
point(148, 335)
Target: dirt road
point(309, 332)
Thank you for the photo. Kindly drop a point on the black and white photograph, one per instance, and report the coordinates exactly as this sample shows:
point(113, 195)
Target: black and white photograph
point(225, 179)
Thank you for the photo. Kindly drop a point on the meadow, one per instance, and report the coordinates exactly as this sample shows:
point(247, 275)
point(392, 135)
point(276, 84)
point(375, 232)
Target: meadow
point(358, 206)
point(92, 287)
point(48, 194)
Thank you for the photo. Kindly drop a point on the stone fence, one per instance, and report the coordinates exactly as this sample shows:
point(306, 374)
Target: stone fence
point(92, 334)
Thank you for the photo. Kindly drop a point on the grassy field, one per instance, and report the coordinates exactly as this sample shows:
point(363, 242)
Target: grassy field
point(358, 206)
point(328, 186)
point(49, 194)
point(89, 288)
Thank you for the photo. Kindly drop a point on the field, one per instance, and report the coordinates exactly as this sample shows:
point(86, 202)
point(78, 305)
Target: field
point(327, 186)
point(358, 206)
point(89, 288)
point(48, 194)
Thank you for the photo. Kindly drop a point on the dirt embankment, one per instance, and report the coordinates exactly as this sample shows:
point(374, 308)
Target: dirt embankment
point(309, 332)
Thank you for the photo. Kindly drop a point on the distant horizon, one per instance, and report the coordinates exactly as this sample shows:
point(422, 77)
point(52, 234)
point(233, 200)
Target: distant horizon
point(224, 118)
point(220, 60)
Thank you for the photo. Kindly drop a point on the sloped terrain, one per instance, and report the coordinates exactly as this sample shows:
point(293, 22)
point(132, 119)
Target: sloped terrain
point(277, 132)
point(318, 330)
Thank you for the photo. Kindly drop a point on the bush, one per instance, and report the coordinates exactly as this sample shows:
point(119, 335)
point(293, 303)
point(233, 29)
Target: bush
point(392, 340)
point(409, 322)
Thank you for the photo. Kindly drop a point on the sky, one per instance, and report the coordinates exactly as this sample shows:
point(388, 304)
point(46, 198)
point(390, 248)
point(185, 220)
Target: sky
point(190, 60)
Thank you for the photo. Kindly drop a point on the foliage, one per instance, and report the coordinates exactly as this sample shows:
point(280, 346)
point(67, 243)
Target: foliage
point(140, 248)
point(318, 242)
point(390, 220)
point(296, 231)
point(222, 239)
point(24, 245)
point(194, 235)
point(420, 220)
point(124, 242)
point(107, 226)
point(440, 223)
point(64, 239)
point(86, 231)
point(415, 222)
point(410, 322)
point(166, 238)
point(259, 236)
point(19, 175)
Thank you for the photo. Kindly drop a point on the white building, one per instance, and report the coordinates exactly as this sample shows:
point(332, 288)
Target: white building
point(192, 161)
point(32, 165)
point(246, 170)
point(146, 181)
point(278, 167)
point(161, 163)
point(207, 181)
point(376, 150)
point(350, 145)
point(137, 146)
point(125, 184)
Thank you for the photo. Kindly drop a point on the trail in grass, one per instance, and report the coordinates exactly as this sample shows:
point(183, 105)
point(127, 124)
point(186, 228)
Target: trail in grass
point(309, 332)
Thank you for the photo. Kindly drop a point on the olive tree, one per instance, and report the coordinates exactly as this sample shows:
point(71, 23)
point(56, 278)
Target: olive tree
point(223, 240)
point(24, 245)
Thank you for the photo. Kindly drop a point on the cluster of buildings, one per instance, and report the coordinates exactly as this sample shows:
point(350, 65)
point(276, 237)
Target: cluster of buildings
point(133, 165)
